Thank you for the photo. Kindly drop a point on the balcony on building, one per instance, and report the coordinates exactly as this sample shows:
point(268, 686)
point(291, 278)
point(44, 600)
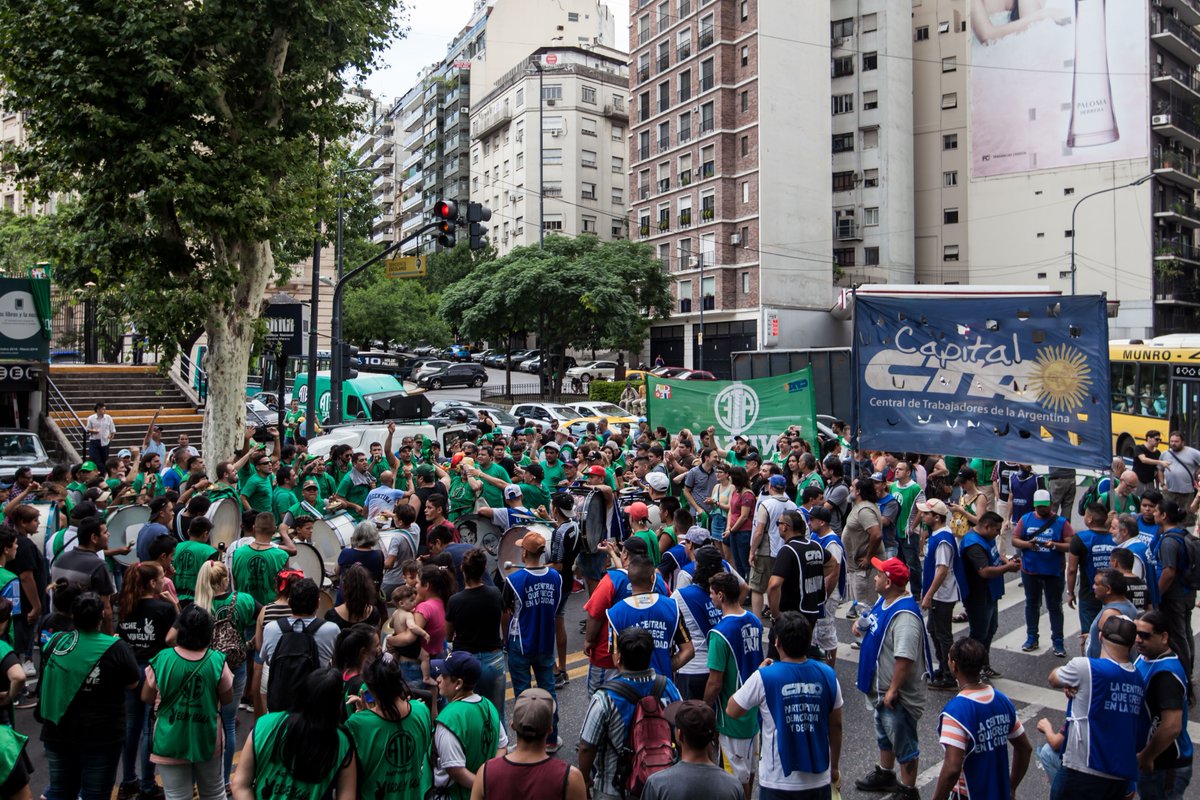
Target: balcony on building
point(365, 144)
point(384, 146)
point(706, 38)
point(413, 139)
point(664, 144)
point(385, 162)
point(457, 169)
point(1168, 252)
point(1179, 211)
point(414, 159)
point(1176, 124)
point(1187, 11)
point(685, 218)
point(616, 111)
point(1174, 286)
point(664, 223)
point(1176, 38)
point(552, 191)
point(1175, 167)
point(663, 63)
point(411, 203)
point(848, 231)
point(643, 74)
point(1179, 83)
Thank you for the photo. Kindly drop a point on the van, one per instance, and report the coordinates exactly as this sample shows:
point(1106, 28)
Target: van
point(360, 435)
point(367, 397)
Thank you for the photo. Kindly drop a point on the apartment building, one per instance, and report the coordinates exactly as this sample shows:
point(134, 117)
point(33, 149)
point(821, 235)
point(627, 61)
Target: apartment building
point(573, 179)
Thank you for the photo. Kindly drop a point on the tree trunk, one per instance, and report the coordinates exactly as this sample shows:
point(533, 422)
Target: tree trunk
point(230, 330)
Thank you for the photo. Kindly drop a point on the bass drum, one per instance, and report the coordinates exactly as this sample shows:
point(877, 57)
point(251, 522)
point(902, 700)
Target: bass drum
point(325, 604)
point(478, 530)
point(509, 556)
point(308, 560)
point(332, 534)
point(124, 522)
point(593, 521)
point(226, 517)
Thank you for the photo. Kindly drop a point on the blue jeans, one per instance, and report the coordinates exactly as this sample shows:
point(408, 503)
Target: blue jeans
point(229, 719)
point(739, 546)
point(524, 667)
point(719, 521)
point(137, 736)
point(896, 730)
point(491, 679)
point(86, 770)
point(1050, 587)
point(1050, 760)
point(1164, 784)
point(1070, 784)
point(597, 676)
point(908, 551)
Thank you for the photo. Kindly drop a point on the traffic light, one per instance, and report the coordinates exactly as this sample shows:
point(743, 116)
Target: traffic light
point(350, 362)
point(447, 213)
point(477, 214)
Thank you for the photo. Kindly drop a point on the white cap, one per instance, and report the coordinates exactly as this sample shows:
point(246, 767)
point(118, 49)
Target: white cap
point(657, 481)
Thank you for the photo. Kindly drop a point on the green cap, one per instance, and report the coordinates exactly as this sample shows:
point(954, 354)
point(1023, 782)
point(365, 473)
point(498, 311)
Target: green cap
point(424, 471)
point(88, 466)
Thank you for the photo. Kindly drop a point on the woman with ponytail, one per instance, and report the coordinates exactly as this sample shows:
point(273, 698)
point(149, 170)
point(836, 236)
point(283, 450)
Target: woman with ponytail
point(389, 714)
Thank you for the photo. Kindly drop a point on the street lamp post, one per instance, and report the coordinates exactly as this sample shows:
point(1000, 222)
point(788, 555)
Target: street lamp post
point(1138, 182)
point(700, 338)
point(337, 368)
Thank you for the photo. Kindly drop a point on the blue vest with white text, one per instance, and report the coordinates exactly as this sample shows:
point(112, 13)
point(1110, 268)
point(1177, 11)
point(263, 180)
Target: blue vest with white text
point(1112, 718)
point(1169, 664)
point(985, 765)
point(825, 541)
point(800, 697)
point(1021, 493)
point(1042, 562)
point(656, 613)
point(701, 607)
point(538, 595)
point(1141, 551)
point(621, 589)
point(1099, 546)
point(881, 619)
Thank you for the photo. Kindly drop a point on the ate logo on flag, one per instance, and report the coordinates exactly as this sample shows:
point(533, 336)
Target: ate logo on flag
point(662, 392)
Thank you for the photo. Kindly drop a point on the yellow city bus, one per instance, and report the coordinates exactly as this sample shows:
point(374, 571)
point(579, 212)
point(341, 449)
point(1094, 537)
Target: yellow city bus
point(1155, 386)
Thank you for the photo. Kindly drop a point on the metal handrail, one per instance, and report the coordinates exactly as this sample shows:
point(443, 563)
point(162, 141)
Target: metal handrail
point(185, 370)
point(69, 423)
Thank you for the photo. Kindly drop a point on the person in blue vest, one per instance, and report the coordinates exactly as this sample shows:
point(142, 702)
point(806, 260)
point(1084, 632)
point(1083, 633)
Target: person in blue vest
point(532, 597)
point(1165, 760)
point(1126, 536)
point(1090, 551)
point(678, 557)
point(1147, 519)
point(1022, 486)
point(800, 703)
point(657, 613)
point(975, 730)
point(513, 513)
point(1099, 758)
point(893, 663)
point(825, 635)
point(699, 614)
point(1043, 538)
point(735, 651)
point(943, 585)
point(1177, 597)
point(984, 569)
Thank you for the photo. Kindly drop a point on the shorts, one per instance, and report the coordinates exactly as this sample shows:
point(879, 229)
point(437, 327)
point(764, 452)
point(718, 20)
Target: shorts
point(760, 573)
point(825, 635)
point(896, 730)
point(592, 565)
point(740, 755)
point(599, 675)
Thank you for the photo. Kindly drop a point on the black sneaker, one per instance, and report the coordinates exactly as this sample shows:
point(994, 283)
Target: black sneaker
point(878, 780)
point(988, 674)
point(944, 684)
point(904, 793)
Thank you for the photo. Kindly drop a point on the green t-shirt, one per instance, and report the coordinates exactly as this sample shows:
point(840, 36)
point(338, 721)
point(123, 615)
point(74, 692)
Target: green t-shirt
point(272, 778)
point(734, 460)
point(245, 611)
point(651, 541)
point(814, 479)
point(722, 659)
point(189, 557)
point(325, 485)
point(139, 483)
point(907, 497)
point(257, 491)
point(534, 496)
point(282, 499)
point(553, 474)
point(379, 467)
point(354, 492)
point(393, 756)
point(462, 497)
point(983, 470)
point(254, 571)
point(187, 719)
point(494, 495)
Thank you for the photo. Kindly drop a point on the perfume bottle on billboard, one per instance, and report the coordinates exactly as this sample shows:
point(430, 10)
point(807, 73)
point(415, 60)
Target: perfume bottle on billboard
point(1093, 121)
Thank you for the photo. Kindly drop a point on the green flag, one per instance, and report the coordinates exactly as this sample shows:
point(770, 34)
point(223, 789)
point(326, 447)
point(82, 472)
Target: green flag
point(758, 409)
point(39, 285)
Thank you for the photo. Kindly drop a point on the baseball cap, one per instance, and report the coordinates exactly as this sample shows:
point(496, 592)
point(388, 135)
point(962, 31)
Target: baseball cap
point(613, 445)
point(697, 535)
point(821, 513)
point(879, 476)
point(533, 713)
point(512, 491)
point(87, 466)
point(124, 452)
point(1041, 498)
point(456, 459)
point(778, 481)
point(1120, 630)
point(593, 455)
point(657, 481)
point(596, 470)
point(424, 471)
point(936, 506)
point(459, 664)
point(310, 485)
point(158, 428)
point(550, 446)
point(894, 568)
point(570, 462)
point(532, 542)
point(638, 511)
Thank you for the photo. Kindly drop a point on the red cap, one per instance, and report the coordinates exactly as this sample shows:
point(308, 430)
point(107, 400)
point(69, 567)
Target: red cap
point(456, 459)
point(637, 510)
point(597, 470)
point(894, 568)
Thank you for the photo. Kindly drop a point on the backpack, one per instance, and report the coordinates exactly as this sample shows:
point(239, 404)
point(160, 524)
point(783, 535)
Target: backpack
point(226, 638)
point(294, 658)
point(649, 744)
point(1190, 576)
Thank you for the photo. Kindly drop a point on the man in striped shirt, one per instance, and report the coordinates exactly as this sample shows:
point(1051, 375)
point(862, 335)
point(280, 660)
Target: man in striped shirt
point(975, 730)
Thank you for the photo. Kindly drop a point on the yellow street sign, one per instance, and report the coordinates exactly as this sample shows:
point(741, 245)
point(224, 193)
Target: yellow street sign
point(405, 267)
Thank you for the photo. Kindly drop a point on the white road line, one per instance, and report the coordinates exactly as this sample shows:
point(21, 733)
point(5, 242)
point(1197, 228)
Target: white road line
point(1013, 640)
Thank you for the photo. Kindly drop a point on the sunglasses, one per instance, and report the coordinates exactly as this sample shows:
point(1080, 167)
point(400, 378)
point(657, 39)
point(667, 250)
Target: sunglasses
point(1145, 634)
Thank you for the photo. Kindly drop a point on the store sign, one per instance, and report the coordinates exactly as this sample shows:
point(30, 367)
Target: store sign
point(21, 330)
point(19, 377)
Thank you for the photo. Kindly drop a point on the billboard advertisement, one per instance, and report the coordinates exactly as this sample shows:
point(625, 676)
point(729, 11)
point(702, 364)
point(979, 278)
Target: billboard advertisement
point(1057, 83)
point(1021, 379)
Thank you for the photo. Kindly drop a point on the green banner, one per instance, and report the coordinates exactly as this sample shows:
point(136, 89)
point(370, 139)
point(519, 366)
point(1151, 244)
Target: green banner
point(758, 409)
point(39, 286)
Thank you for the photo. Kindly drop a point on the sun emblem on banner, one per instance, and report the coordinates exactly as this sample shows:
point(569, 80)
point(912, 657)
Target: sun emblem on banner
point(1060, 378)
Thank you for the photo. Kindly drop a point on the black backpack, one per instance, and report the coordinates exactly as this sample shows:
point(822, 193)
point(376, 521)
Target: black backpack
point(295, 656)
point(1189, 573)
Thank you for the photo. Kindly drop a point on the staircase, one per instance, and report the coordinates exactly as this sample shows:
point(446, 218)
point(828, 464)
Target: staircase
point(131, 396)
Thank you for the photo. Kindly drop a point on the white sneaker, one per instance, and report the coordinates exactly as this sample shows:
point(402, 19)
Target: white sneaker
point(30, 670)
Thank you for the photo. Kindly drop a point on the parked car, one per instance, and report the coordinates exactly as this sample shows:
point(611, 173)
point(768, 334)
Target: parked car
point(526, 362)
point(544, 412)
point(513, 358)
point(668, 372)
point(479, 357)
point(449, 409)
point(411, 365)
point(457, 352)
point(535, 365)
point(636, 375)
point(20, 448)
point(613, 413)
point(606, 370)
point(428, 368)
point(694, 375)
point(425, 350)
point(453, 375)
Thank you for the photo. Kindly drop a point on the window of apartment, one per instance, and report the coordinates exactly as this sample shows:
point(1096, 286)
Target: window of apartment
point(870, 178)
point(664, 255)
point(685, 290)
point(506, 167)
point(520, 98)
point(745, 191)
point(944, 26)
point(475, 156)
point(922, 33)
point(664, 96)
point(745, 10)
point(644, 29)
point(643, 144)
point(664, 176)
point(618, 164)
point(587, 158)
point(949, 63)
point(520, 135)
point(706, 74)
point(842, 28)
point(644, 106)
point(554, 123)
point(871, 216)
point(683, 44)
point(949, 216)
point(706, 30)
point(745, 145)
point(588, 94)
point(708, 207)
point(707, 123)
point(587, 127)
point(685, 85)
point(950, 178)
point(870, 100)
point(745, 282)
point(745, 56)
point(871, 256)
point(487, 146)
point(843, 103)
point(475, 184)
point(843, 181)
point(843, 142)
point(950, 252)
point(588, 190)
point(643, 67)
point(664, 16)
point(843, 256)
point(552, 188)
point(950, 100)
point(664, 216)
point(708, 287)
point(618, 133)
point(552, 155)
point(870, 22)
point(870, 61)
point(842, 66)
point(664, 56)
point(870, 138)
point(552, 91)
point(950, 141)
point(708, 161)
point(553, 222)
point(520, 160)
point(685, 126)
point(745, 100)
point(664, 135)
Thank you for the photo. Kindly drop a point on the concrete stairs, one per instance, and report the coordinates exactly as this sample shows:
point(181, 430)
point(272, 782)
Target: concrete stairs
point(131, 396)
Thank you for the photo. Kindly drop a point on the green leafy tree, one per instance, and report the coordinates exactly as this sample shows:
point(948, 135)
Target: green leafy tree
point(448, 267)
point(189, 133)
point(392, 311)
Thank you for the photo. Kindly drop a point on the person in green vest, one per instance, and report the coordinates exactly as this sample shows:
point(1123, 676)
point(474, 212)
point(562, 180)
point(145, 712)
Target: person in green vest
point(464, 485)
point(226, 486)
point(809, 475)
point(284, 495)
point(302, 753)
point(188, 683)
point(84, 731)
point(390, 721)
point(256, 489)
point(494, 478)
point(531, 480)
point(353, 489)
point(256, 564)
point(468, 730)
point(190, 555)
point(147, 484)
point(309, 505)
point(14, 774)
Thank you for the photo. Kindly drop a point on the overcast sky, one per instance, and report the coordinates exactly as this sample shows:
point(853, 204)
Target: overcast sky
point(431, 25)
